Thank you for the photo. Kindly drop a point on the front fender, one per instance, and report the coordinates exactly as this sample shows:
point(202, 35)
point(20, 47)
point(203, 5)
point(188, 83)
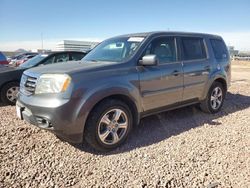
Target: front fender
point(92, 97)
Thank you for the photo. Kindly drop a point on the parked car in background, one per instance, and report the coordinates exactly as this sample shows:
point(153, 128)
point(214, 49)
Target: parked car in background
point(24, 59)
point(122, 80)
point(10, 76)
point(20, 56)
point(3, 59)
point(244, 57)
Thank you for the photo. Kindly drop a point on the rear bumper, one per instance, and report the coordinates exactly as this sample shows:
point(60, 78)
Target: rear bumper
point(60, 119)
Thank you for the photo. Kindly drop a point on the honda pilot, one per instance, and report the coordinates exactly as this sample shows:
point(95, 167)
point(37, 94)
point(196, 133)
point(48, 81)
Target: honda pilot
point(122, 80)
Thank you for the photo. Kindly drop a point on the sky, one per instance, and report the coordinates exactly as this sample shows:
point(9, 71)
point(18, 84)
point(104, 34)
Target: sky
point(24, 22)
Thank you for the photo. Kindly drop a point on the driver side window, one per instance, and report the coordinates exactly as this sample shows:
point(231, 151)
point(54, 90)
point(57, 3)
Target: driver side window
point(163, 48)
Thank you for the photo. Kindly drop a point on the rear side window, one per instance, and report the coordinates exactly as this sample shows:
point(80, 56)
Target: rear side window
point(193, 48)
point(76, 56)
point(59, 58)
point(219, 49)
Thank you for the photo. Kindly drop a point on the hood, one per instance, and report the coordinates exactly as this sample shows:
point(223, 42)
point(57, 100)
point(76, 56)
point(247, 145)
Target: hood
point(5, 69)
point(69, 68)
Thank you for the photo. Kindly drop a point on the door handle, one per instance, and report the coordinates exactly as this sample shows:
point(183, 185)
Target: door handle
point(175, 73)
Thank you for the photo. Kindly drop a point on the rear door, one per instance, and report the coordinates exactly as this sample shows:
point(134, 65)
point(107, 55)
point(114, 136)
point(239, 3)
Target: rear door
point(196, 66)
point(221, 56)
point(161, 85)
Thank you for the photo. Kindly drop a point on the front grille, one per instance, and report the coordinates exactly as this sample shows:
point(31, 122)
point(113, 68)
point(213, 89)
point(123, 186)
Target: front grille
point(28, 84)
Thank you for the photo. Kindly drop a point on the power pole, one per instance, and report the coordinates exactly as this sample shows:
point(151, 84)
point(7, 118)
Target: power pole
point(42, 40)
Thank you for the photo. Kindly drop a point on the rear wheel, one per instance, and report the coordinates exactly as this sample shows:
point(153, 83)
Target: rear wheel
point(215, 98)
point(108, 125)
point(9, 93)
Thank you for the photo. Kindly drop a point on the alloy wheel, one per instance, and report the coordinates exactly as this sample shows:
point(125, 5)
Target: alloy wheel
point(216, 98)
point(11, 93)
point(113, 126)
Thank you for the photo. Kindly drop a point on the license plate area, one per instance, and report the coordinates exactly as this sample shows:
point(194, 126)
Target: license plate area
point(19, 112)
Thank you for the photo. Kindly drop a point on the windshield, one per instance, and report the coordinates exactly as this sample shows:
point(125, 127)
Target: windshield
point(33, 61)
point(115, 50)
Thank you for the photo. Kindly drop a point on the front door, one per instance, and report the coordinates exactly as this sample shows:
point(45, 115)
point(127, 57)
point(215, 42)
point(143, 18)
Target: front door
point(161, 85)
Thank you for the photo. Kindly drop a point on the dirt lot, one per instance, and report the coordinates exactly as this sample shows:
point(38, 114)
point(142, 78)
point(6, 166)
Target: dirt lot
point(180, 148)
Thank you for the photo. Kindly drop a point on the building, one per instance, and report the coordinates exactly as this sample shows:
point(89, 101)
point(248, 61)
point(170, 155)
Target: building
point(232, 51)
point(41, 50)
point(75, 45)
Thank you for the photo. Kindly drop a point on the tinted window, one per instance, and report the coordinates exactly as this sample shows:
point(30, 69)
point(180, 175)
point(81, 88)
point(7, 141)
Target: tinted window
point(163, 48)
point(193, 48)
point(58, 58)
point(76, 56)
point(219, 49)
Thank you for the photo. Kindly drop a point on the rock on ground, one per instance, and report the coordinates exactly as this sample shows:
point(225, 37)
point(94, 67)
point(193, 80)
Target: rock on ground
point(180, 148)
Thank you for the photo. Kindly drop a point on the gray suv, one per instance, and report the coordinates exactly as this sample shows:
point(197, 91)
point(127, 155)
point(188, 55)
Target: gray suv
point(122, 80)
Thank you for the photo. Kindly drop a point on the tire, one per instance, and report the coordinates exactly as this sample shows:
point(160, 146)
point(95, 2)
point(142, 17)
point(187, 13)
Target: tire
point(210, 105)
point(103, 131)
point(9, 93)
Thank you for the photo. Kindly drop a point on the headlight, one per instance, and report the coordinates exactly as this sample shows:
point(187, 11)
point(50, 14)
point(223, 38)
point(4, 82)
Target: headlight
point(52, 83)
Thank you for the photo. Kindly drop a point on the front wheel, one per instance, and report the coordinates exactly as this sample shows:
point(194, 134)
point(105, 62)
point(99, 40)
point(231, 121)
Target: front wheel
point(108, 125)
point(215, 98)
point(9, 93)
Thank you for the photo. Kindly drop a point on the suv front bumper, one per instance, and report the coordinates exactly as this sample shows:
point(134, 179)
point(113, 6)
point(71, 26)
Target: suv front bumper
point(56, 116)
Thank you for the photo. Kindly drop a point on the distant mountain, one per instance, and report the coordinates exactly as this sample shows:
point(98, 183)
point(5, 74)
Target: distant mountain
point(20, 50)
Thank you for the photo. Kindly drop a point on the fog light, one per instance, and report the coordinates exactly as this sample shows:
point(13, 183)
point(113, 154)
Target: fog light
point(43, 122)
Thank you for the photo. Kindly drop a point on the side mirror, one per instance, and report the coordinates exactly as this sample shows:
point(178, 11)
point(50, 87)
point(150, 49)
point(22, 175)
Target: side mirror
point(149, 60)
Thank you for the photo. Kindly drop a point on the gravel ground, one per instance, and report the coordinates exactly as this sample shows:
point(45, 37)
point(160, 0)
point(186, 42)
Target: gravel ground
point(180, 148)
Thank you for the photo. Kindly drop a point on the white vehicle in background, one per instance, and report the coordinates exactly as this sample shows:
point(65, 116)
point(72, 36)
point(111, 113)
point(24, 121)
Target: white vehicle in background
point(242, 57)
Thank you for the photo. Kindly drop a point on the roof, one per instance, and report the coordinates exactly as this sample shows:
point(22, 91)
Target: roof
point(68, 51)
point(147, 34)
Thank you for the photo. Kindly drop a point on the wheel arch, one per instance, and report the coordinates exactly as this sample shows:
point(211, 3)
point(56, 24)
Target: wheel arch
point(123, 98)
point(223, 82)
point(7, 82)
point(215, 78)
point(4, 84)
point(128, 95)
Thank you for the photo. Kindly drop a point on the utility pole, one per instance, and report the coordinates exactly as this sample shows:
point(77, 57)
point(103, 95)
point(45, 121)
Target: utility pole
point(42, 40)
